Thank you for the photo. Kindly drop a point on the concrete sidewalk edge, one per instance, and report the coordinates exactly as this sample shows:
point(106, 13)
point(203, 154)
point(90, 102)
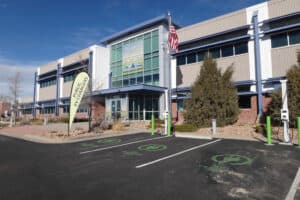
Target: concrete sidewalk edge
point(64, 140)
point(196, 135)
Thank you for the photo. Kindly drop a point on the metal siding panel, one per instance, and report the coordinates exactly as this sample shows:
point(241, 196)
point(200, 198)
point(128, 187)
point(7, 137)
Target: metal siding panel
point(67, 86)
point(48, 67)
point(77, 56)
point(187, 74)
point(215, 25)
point(283, 7)
point(47, 93)
point(283, 58)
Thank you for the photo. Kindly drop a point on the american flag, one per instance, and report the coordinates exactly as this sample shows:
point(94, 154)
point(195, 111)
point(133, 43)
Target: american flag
point(173, 39)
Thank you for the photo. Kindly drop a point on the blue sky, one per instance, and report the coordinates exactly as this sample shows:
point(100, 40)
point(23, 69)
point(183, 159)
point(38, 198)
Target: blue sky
point(34, 32)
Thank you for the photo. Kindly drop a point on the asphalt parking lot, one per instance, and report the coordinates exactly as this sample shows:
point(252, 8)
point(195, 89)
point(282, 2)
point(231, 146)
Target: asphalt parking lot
point(143, 167)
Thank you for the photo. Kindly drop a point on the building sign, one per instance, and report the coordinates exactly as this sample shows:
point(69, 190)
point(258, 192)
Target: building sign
point(133, 57)
point(78, 88)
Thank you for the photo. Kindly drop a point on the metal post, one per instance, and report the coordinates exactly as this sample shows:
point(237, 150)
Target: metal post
point(269, 131)
point(298, 125)
point(58, 85)
point(152, 124)
point(166, 111)
point(214, 126)
point(169, 125)
point(285, 111)
point(257, 63)
point(34, 96)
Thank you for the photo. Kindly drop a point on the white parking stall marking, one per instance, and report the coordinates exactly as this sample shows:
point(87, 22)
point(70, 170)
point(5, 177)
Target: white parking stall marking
point(294, 186)
point(120, 145)
point(177, 154)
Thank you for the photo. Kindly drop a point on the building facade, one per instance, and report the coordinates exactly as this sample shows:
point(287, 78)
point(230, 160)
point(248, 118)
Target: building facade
point(260, 42)
point(132, 70)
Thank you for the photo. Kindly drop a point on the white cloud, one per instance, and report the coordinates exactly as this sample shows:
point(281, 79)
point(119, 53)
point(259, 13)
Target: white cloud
point(9, 67)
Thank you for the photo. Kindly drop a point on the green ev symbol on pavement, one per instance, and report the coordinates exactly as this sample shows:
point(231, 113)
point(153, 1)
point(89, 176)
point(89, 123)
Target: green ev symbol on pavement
point(88, 145)
point(152, 147)
point(109, 141)
point(232, 159)
point(222, 162)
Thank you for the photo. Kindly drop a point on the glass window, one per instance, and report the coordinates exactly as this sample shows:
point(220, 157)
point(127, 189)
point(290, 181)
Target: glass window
point(155, 41)
point(148, 79)
point(139, 79)
point(132, 81)
point(279, 40)
point(69, 77)
point(215, 53)
point(125, 82)
point(191, 58)
point(245, 102)
point(155, 62)
point(200, 56)
point(241, 48)
point(294, 37)
point(243, 88)
point(47, 83)
point(156, 79)
point(150, 42)
point(181, 60)
point(147, 43)
point(66, 109)
point(180, 104)
point(227, 51)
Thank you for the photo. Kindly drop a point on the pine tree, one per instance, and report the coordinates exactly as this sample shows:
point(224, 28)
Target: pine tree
point(293, 91)
point(213, 96)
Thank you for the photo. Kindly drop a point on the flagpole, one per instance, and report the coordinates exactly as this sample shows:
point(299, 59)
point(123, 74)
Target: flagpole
point(169, 108)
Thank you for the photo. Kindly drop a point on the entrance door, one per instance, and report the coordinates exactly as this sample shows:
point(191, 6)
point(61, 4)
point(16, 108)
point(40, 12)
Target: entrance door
point(116, 109)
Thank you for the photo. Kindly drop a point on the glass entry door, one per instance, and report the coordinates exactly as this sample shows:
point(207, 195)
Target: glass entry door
point(116, 109)
point(141, 107)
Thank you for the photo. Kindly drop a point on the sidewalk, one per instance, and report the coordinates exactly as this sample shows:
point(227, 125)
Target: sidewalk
point(48, 134)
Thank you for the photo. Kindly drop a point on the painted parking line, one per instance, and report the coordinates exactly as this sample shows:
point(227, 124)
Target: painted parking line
point(115, 146)
point(294, 186)
point(177, 154)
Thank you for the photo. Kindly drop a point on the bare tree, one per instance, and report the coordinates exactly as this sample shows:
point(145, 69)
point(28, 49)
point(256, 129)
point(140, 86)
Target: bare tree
point(88, 95)
point(14, 86)
point(89, 99)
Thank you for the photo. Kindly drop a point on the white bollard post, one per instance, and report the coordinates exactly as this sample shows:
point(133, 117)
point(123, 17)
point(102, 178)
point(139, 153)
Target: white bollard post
point(285, 111)
point(214, 126)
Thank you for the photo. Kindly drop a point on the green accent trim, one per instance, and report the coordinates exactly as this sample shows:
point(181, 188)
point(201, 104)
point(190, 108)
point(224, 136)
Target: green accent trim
point(169, 125)
point(88, 145)
point(232, 159)
point(152, 124)
point(109, 141)
point(152, 147)
point(298, 125)
point(269, 130)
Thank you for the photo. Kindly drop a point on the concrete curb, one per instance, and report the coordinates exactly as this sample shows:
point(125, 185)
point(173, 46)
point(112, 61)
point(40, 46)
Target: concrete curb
point(195, 135)
point(48, 140)
point(192, 135)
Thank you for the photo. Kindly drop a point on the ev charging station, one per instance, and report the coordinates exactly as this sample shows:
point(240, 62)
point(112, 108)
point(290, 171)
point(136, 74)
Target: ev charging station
point(166, 113)
point(285, 112)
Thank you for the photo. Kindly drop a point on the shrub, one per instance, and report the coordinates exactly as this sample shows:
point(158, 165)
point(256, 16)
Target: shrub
point(159, 123)
point(185, 128)
point(37, 122)
point(293, 90)
point(59, 120)
point(25, 122)
point(81, 120)
point(118, 126)
point(213, 96)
